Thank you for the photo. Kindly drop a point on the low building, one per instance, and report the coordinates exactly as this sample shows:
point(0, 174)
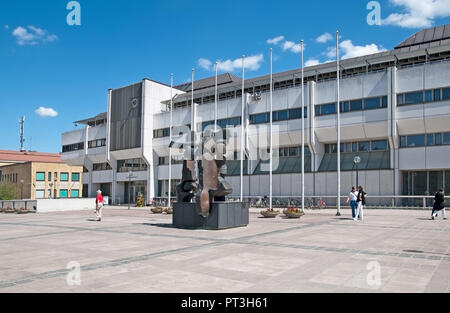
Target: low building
point(40, 175)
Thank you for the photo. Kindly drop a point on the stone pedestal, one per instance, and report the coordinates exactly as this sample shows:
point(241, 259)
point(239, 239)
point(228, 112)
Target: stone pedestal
point(222, 215)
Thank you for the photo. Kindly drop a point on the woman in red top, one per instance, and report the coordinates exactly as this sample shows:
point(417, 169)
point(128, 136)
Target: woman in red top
point(99, 205)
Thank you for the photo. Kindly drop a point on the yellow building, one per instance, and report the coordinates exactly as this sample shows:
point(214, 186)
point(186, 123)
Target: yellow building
point(38, 176)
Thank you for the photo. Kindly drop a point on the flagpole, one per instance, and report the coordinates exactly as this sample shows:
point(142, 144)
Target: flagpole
point(170, 141)
point(242, 128)
point(303, 133)
point(216, 99)
point(338, 74)
point(271, 130)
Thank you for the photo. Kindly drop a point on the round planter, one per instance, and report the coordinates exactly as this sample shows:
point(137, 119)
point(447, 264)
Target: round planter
point(169, 211)
point(9, 210)
point(157, 210)
point(269, 214)
point(293, 214)
point(22, 211)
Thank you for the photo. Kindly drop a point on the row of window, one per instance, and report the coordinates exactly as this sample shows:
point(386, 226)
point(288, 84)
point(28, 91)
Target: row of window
point(165, 161)
point(9, 178)
point(278, 116)
point(223, 123)
point(73, 147)
point(131, 165)
point(362, 146)
point(63, 193)
point(293, 151)
point(352, 106)
point(97, 143)
point(423, 140)
point(101, 167)
point(40, 176)
point(423, 96)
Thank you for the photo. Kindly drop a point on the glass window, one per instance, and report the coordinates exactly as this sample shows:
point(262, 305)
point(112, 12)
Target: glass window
point(400, 99)
point(40, 176)
point(75, 193)
point(416, 141)
point(403, 143)
point(379, 145)
point(447, 182)
point(284, 152)
point(446, 139)
point(333, 148)
point(64, 176)
point(384, 102)
point(364, 146)
point(446, 94)
point(371, 103)
point(328, 109)
point(56, 176)
point(327, 149)
point(260, 118)
point(49, 176)
point(437, 95)
point(354, 147)
point(234, 121)
point(414, 97)
point(40, 194)
point(420, 183)
point(75, 176)
point(430, 140)
point(428, 95)
point(348, 147)
point(295, 114)
point(438, 139)
point(280, 116)
point(436, 182)
point(317, 108)
point(63, 193)
point(294, 151)
point(356, 105)
point(345, 106)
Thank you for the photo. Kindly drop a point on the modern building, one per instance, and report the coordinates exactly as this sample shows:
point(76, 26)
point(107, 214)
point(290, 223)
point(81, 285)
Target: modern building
point(40, 175)
point(395, 115)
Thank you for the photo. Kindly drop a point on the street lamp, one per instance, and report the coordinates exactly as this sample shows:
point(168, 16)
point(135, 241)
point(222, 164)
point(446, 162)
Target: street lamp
point(356, 161)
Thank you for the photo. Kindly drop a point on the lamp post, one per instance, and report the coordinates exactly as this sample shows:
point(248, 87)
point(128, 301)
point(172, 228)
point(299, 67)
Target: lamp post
point(356, 161)
point(21, 193)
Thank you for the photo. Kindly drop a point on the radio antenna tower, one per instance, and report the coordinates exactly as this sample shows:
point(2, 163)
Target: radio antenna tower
point(22, 140)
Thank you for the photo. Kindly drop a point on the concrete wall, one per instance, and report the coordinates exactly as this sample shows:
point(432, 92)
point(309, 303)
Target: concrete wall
point(62, 205)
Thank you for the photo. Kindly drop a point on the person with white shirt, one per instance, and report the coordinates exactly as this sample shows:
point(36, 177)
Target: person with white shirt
point(353, 196)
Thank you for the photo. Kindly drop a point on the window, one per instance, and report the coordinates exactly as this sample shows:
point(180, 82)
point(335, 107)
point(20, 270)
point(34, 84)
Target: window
point(75, 193)
point(384, 102)
point(327, 109)
point(40, 176)
point(63, 193)
point(280, 116)
point(437, 95)
point(101, 167)
point(259, 118)
point(97, 143)
point(49, 176)
point(428, 95)
point(134, 165)
point(446, 94)
point(438, 139)
point(40, 194)
point(356, 105)
point(446, 138)
point(400, 99)
point(294, 151)
point(379, 145)
point(75, 176)
point(372, 103)
point(64, 176)
point(345, 106)
point(413, 97)
point(416, 141)
point(430, 140)
point(73, 147)
point(56, 176)
point(364, 146)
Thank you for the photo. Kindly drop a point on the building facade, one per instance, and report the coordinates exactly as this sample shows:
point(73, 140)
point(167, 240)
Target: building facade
point(395, 115)
point(47, 178)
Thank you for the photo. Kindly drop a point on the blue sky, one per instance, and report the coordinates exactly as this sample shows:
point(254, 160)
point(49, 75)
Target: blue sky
point(67, 70)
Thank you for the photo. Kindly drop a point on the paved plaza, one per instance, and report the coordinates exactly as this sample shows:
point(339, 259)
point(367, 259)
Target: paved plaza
point(136, 251)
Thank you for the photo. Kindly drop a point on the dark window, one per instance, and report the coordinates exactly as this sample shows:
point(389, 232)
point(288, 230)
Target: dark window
point(384, 102)
point(403, 143)
point(317, 108)
point(364, 146)
point(295, 114)
point(328, 109)
point(446, 94)
point(430, 140)
point(235, 121)
point(75, 176)
point(259, 118)
point(414, 97)
point(437, 95)
point(345, 106)
point(446, 138)
point(356, 105)
point(438, 139)
point(416, 141)
point(294, 151)
point(379, 145)
point(372, 103)
point(428, 95)
point(354, 146)
point(400, 99)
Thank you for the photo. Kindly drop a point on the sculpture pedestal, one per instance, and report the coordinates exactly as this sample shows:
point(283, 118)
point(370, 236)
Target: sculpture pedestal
point(222, 215)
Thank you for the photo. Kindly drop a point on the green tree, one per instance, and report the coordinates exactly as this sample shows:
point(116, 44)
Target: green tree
point(7, 192)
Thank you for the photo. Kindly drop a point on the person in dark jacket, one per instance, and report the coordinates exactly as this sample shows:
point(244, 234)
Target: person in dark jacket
point(361, 201)
point(439, 205)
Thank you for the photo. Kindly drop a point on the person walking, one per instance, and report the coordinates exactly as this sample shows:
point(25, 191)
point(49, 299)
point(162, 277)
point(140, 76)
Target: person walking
point(361, 201)
point(353, 196)
point(439, 205)
point(99, 206)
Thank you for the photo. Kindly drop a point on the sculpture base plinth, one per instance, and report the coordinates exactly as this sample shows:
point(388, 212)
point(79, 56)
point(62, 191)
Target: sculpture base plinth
point(223, 215)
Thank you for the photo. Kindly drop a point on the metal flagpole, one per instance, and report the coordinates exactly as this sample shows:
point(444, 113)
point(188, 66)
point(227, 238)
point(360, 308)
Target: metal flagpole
point(338, 74)
point(271, 130)
point(169, 204)
point(215, 100)
point(303, 133)
point(194, 125)
point(242, 128)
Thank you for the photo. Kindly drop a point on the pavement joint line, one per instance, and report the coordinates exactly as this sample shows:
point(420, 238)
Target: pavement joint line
point(39, 235)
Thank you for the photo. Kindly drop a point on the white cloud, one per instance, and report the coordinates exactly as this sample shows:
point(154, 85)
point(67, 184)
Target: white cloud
point(324, 38)
point(312, 62)
point(252, 63)
point(291, 46)
point(46, 112)
point(32, 36)
point(349, 50)
point(275, 41)
point(417, 13)
point(204, 64)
